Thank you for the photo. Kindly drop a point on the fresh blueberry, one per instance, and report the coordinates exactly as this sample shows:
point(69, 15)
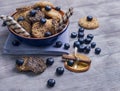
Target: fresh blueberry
point(81, 29)
point(76, 44)
point(4, 23)
point(20, 19)
point(49, 61)
point(97, 50)
point(51, 82)
point(58, 44)
point(73, 35)
point(32, 13)
point(19, 62)
point(90, 36)
point(89, 18)
point(80, 34)
point(87, 49)
point(47, 8)
point(42, 20)
point(57, 8)
point(93, 44)
point(66, 46)
point(87, 40)
point(70, 62)
point(15, 43)
point(37, 8)
point(81, 40)
point(81, 48)
point(47, 34)
point(59, 70)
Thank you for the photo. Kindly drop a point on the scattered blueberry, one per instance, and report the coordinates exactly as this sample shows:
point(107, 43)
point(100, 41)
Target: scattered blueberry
point(81, 29)
point(51, 82)
point(32, 13)
point(70, 62)
point(81, 48)
point(20, 19)
point(73, 35)
point(4, 23)
point(19, 62)
point(47, 8)
point(97, 50)
point(93, 44)
point(37, 8)
point(81, 40)
point(89, 18)
point(87, 40)
point(87, 49)
point(42, 20)
point(47, 34)
point(90, 36)
point(80, 34)
point(58, 44)
point(66, 46)
point(57, 8)
point(49, 61)
point(59, 70)
point(15, 43)
point(76, 44)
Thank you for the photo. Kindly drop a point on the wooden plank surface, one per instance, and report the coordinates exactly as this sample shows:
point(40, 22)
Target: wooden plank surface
point(104, 74)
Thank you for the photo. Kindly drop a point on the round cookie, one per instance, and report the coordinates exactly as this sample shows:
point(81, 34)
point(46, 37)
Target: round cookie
point(53, 14)
point(22, 9)
point(42, 4)
point(93, 24)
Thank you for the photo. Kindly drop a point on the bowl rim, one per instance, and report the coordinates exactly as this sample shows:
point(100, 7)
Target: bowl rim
point(66, 25)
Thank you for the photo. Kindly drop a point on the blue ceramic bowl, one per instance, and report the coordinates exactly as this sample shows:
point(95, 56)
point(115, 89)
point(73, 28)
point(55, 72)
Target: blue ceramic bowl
point(46, 41)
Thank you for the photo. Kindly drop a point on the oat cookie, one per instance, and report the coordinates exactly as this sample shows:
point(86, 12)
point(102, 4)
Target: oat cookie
point(23, 9)
point(53, 14)
point(89, 22)
point(42, 4)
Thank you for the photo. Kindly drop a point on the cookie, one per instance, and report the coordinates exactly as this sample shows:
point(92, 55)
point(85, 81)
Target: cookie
point(38, 29)
point(81, 64)
point(23, 9)
point(34, 64)
point(53, 14)
point(89, 24)
point(37, 16)
point(43, 4)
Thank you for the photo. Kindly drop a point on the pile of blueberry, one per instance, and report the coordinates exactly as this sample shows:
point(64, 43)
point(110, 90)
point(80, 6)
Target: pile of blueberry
point(59, 71)
point(84, 44)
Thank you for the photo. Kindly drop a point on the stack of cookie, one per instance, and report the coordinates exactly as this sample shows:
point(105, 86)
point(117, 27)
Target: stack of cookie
point(40, 20)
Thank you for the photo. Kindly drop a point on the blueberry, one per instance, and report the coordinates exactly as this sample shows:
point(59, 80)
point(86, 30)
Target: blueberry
point(90, 36)
point(59, 70)
point(81, 40)
point(73, 35)
point(87, 49)
point(89, 18)
point(20, 19)
point(51, 82)
point(4, 23)
point(47, 8)
point(66, 46)
point(81, 48)
point(87, 40)
point(15, 43)
point(47, 34)
point(57, 8)
point(42, 20)
point(37, 8)
point(80, 34)
point(70, 62)
point(58, 44)
point(32, 13)
point(49, 61)
point(76, 44)
point(93, 44)
point(19, 62)
point(97, 50)
point(81, 29)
